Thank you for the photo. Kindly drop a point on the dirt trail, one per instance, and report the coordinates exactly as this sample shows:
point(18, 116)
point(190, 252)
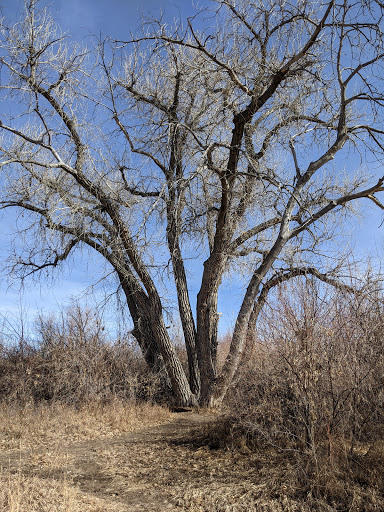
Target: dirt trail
point(145, 471)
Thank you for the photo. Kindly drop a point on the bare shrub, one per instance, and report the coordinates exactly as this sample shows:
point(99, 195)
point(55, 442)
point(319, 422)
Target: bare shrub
point(314, 386)
point(72, 360)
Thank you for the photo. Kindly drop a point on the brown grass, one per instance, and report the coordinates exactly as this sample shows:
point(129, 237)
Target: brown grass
point(32, 426)
point(41, 478)
point(19, 493)
point(268, 479)
point(302, 432)
point(143, 458)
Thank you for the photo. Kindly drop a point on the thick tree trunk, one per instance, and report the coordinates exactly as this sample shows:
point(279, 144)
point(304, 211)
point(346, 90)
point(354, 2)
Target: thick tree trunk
point(153, 339)
point(175, 371)
point(142, 330)
point(207, 321)
point(235, 353)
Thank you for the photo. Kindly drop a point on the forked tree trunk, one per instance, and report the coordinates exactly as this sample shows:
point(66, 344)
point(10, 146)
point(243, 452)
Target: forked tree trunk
point(155, 344)
point(239, 337)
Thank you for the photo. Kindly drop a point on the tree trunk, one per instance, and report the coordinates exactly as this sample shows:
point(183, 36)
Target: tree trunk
point(185, 310)
point(154, 341)
point(175, 371)
point(142, 330)
point(207, 321)
point(242, 322)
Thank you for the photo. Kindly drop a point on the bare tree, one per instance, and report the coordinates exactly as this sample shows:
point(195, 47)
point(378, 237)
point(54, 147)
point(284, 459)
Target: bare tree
point(217, 139)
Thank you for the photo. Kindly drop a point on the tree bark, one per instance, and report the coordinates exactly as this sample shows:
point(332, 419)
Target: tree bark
point(175, 371)
point(185, 310)
point(153, 339)
point(207, 322)
point(240, 331)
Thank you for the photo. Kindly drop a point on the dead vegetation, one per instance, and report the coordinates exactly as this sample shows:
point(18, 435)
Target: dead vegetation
point(190, 462)
point(33, 426)
point(311, 397)
point(71, 359)
point(302, 429)
point(19, 493)
point(46, 450)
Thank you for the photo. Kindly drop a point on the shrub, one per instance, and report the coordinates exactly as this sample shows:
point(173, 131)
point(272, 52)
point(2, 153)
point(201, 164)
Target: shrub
point(71, 360)
point(315, 382)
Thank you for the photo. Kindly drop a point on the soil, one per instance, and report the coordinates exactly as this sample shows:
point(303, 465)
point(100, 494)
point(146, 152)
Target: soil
point(151, 470)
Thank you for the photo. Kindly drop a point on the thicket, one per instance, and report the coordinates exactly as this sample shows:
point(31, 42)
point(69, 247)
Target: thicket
point(309, 399)
point(312, 391)
point(70, 358)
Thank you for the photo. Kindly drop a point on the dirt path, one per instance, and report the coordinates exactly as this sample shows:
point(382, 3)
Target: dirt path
point(150, 470)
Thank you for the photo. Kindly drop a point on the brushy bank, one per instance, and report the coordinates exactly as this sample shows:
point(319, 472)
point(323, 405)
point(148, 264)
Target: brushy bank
point(310, 398)
point(71, 360)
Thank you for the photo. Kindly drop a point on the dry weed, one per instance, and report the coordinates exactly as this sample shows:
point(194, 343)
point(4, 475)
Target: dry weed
point(19, 493)
point(32, 426)
point(71, 360)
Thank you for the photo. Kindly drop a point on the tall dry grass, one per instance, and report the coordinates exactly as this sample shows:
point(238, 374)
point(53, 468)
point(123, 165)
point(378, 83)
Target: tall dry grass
point(42, 480)
point(34, 425)
point(69, 382)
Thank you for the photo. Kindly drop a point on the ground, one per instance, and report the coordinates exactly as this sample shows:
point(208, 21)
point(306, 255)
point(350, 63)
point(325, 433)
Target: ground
point(158, 468)
point(149, 470)
point(164, 462)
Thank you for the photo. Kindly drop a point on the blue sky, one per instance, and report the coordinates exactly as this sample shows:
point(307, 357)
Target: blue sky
point(112, 17)
point(117, 18)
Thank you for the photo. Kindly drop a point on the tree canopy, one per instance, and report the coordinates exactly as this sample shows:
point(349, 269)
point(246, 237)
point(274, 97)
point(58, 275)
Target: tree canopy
point(242, 137)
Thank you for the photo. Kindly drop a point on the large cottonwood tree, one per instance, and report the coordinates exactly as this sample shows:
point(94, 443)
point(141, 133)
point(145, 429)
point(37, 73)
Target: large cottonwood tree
point(241, 137)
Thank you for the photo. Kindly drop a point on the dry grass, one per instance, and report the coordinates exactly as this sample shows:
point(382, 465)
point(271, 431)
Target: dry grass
point(113, 458)
point(283, 445)
point(33, 426)
point(19, 493)
point(41, 475)
point(265, 478)
point(275, 484)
